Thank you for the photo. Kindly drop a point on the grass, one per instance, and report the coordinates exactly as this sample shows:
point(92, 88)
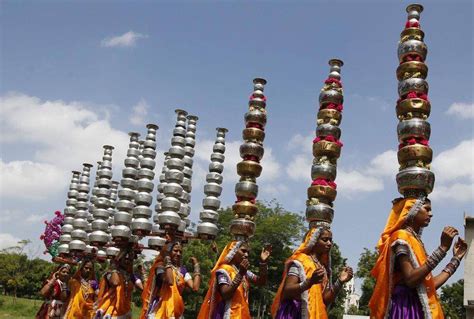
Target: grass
point(23, 308)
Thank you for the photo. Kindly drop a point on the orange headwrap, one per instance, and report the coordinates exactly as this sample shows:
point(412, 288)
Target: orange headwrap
point(78, 305)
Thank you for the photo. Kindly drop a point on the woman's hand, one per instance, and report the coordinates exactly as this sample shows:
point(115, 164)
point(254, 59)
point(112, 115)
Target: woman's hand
point(244, 265)
point(266, 252)
point(346, 274)
point(193, 260)
point(447, 237)
point(317, 276)
point(460, 248)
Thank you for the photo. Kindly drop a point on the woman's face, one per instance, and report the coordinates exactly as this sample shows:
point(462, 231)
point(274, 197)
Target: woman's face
point(423, 217)
point(87, 269)
point(176, 253)
point(64, 274)
point(324, 242)
point(241, 254)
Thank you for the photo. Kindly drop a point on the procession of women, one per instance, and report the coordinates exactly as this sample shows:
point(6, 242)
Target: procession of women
point(111, 222)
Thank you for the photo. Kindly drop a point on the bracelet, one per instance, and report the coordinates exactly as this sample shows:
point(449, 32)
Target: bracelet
point(237, 280)
point(435, 258)
point(305, 285)
point(452, 266)
point(197, 268)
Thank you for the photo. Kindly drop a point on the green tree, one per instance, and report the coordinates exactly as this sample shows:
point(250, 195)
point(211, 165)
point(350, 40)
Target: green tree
point(13, 266)
point(364, 266)
point(452, 300)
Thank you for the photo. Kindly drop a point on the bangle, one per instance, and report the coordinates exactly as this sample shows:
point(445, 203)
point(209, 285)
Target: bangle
point(237, 280)
point(197, 268)
point(435, 258)
point(305, 285)
point(452, 266)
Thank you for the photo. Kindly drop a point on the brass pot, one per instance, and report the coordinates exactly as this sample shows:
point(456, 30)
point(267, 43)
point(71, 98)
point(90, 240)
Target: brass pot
point(412, 67)
point(415, 152)
point(253, 134)
point(326, 148)
point(249, 168)
point(330, 114)
point(414, 106)
point(245, 208)
point(242, 227)
point(413, 33)
point(324, 192)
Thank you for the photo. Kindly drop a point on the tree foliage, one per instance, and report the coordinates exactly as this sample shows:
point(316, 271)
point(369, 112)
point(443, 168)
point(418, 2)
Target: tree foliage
point(452, 300)
point(364, 266)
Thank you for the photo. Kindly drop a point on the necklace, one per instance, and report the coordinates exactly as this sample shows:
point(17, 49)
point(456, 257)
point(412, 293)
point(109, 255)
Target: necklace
point(416, 235)
point(85, 287)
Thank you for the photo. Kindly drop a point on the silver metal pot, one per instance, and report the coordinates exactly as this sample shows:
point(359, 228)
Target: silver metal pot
point(121, 231)
point(207, 230)
point(211, 202)
point(213, 189)
point(412, 47)
point(121, 217)
point(112, 252)
point(256, 116)
point(209, 215)
point(331, 96)
point(175, 163)
point(77, 245)
point(142, 211)
point(246, 189)
point(415, 179)
point(169, 218)
point(67, 229)
point(156, 242)
point(174, 176)
point(413, 127)
point(141, 224)
point(63, 249)
point(412, 85)
point(143, 198)
point(251, 149)
point(242, 227)
point(214, 178)
point(100, 237)
point(100, 224)
point(323, 170)
point(170, 203)
point(327, 129)
point(319, 212)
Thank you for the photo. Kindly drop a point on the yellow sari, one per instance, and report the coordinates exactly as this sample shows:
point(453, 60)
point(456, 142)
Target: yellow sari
point(115, 301)
point(312, 302)
point(387, 278)
point(237, 307)
point(165, 303)
point(82, 297)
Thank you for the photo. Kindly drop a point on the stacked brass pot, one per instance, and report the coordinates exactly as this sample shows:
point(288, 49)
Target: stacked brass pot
point(326, 149)
point(69, 213)
point(251, 151)
point(141, 225)
point(413, 109)
point(207, 228)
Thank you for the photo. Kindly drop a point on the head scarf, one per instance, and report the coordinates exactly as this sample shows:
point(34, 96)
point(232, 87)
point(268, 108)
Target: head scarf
point(78, 274)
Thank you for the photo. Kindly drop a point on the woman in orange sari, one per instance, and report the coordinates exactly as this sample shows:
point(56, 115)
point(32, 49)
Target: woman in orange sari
point(405, 287)
point(115, 289)
point(227, 296)
point(83, 287)
point(306, 287)
point(56, 293)
point(164, 286)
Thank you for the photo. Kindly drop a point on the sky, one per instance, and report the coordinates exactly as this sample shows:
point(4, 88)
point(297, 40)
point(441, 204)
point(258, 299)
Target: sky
point(76, 75)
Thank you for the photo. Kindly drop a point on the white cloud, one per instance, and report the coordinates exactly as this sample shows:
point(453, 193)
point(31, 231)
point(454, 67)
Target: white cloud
point(140, 112)
point(299, 167)
point(462, 110)
point(30, 180)
point(458, 192)
point(34, 218)
point(455, 163)
point(356, 182)
point(127, 39)
point(64, 135)
point(384, 164)
point(7, 240)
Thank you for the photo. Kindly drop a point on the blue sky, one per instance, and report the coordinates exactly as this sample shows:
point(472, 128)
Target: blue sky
point(68, 87)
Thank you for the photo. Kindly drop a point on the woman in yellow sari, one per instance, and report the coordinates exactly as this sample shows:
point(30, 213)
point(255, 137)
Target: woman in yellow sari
point(306, 287)
point(83, 292)
point(115, 289)
point(405, 287)
point(227, 296)
point(167, 280)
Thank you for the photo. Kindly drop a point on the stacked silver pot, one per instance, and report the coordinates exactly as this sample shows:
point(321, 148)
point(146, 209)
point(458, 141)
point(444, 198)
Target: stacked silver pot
point(121, 231)
point(69, 213)
point(251, 151)
point(190, 142)
point(413, 108)
point(99, 237)
point(141, 225)
point(326, 149)
point(207, 228)
point(80, 224)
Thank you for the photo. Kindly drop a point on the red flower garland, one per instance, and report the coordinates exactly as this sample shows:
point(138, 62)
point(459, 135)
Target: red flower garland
point(414, 95)
point(324, 182)
point(412, 141)
point(328, 138)
point(333, 80)
point(332, 106)
point(414, 24)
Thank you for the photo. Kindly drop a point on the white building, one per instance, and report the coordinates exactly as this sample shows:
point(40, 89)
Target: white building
point(352, 298)
point(469, 267)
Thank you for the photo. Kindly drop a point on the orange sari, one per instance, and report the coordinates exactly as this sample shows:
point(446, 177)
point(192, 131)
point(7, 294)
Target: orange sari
point(115, 301)
point(387, 278)
point(237, 307)
point(163, 302)
point(83, 296)
point(312, 302)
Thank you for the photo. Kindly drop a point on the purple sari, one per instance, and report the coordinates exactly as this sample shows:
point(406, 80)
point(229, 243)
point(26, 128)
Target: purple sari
point(289, 309)
point(405, 304)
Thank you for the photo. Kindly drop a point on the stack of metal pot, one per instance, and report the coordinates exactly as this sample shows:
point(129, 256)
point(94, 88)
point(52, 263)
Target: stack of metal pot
point(251, 151)
point(326, 149)
point(99, 237)
point(413, 109)
point(121, 231)
point(156, 240)
point(141, 225)
point(168, 216)
point(207, 228)
point(69, 213)
point(79, 238)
